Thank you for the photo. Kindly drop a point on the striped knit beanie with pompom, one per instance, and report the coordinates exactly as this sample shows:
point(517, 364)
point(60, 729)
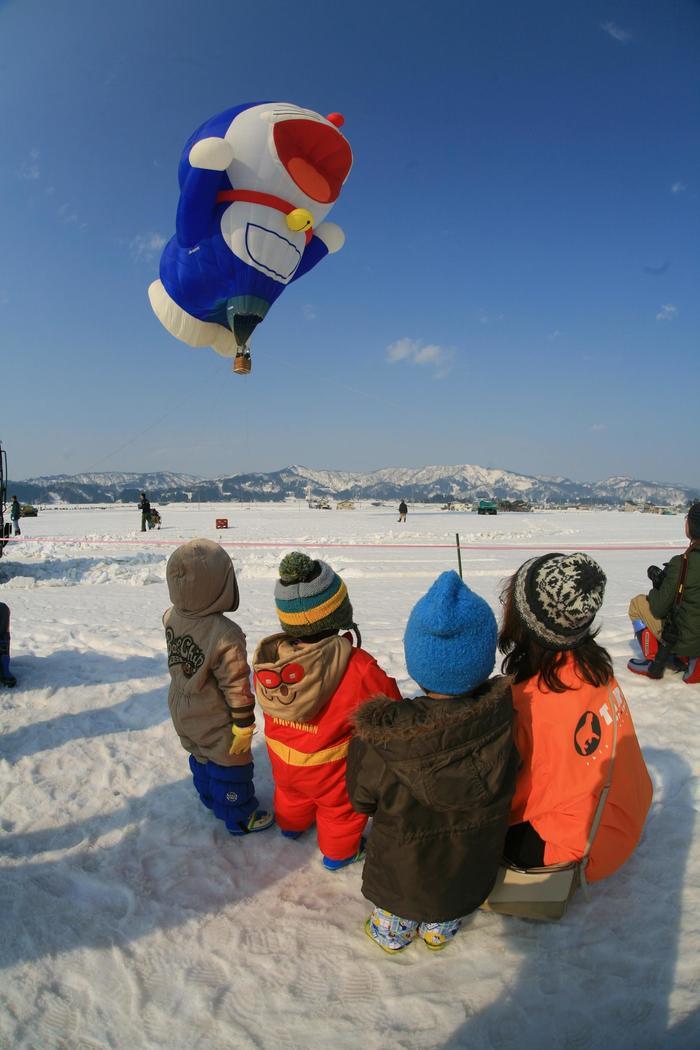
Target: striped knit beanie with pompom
point(310, 597)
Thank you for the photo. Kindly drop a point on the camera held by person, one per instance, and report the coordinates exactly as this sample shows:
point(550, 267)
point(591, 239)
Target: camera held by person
point(657, 575)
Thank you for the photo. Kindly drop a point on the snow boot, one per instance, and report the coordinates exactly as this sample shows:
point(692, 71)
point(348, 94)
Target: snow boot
point(437, 935)
point(392, 933)
point(692, 675)
point(259, 820)
point(646, 668)
point(384, 947)
point(336, 865)
point(648, 642)
point(291, 834)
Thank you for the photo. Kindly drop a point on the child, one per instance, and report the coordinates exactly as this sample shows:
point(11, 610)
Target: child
point(437, 773)
point(210, 699)
point(309, 681)
point(564, 690)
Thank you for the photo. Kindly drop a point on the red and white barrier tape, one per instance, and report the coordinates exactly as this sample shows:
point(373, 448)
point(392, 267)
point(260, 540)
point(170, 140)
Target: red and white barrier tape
point(72, 541)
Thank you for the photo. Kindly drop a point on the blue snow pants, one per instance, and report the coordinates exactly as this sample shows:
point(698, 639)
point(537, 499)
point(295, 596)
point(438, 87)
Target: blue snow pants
point(227, 790)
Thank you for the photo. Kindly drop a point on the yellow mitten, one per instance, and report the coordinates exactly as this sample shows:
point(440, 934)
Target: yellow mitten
point(242, 736)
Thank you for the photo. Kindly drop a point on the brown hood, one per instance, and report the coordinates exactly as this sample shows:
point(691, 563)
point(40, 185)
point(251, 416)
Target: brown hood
point(310, 685)
point(201, 579)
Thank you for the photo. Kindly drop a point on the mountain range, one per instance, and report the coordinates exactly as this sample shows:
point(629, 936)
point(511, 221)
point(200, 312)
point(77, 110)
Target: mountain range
point(418, 485)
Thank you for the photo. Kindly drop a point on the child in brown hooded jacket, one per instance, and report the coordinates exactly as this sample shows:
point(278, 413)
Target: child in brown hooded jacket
point(210, 700)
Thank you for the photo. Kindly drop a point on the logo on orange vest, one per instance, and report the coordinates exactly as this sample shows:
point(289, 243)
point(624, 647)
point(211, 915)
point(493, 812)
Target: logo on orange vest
point(588, 733)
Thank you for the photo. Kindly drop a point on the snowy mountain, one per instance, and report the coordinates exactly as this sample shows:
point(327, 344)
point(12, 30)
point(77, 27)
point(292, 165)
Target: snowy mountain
point(465, 482)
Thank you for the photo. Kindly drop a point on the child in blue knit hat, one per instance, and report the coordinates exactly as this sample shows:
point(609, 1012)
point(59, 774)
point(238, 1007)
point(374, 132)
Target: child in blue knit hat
point(437, 773)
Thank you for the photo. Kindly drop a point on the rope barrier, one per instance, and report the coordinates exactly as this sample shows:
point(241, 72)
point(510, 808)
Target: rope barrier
point(72, 541)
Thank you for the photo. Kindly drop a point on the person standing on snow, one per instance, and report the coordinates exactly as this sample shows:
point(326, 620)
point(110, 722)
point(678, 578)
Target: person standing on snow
point(15, 515)
point(436, 773)
point(210, 701)
point(403, 510)
point(309, 681)
point(145, 508)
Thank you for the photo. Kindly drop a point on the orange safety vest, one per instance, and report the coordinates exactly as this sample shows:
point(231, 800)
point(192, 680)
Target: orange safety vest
point(564, 741)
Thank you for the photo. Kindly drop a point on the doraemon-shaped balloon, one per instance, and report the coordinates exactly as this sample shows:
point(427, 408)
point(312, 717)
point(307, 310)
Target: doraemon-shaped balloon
point(256, 184)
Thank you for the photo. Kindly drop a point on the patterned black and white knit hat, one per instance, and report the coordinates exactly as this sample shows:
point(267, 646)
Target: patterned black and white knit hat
point(557, 597)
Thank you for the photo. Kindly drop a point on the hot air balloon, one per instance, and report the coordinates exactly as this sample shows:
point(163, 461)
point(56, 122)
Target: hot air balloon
point(256, 184)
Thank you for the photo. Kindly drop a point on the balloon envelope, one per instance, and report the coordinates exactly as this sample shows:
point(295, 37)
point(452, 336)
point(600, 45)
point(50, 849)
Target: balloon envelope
point(256, 184)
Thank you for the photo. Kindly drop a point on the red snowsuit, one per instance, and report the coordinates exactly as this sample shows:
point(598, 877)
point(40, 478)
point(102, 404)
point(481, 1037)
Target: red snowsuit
point(308, 693)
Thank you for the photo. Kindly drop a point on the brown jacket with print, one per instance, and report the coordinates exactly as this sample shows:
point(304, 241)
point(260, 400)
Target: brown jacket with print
point(210, 677)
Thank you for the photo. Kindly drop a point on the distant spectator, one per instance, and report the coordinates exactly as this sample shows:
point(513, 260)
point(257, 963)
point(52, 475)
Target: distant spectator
point(403, 511)
point(15, 515)
point(145, 508)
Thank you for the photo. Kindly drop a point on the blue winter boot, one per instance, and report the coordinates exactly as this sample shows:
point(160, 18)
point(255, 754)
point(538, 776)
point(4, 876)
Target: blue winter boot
point(335, 865)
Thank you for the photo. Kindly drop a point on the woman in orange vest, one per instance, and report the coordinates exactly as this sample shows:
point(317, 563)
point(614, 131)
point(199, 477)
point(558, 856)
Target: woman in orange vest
point(566, 700)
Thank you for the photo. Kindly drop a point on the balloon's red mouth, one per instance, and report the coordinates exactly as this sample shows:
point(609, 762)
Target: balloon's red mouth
point(316, 156)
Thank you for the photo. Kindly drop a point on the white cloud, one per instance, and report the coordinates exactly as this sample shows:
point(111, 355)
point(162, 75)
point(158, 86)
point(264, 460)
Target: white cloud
point(416, 353)
point(667, 312)
point(146, 245)
point(621, 35)
point(597, 427)
point(678, 187)
point(554, 334)
point(67, 215)
point(484, 318)
point(309, 312)
point(29, 168)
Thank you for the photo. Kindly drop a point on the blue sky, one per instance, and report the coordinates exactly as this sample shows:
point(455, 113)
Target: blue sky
point(519, 285)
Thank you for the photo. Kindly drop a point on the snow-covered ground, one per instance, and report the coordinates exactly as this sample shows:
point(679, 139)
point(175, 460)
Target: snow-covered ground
point(130, 918)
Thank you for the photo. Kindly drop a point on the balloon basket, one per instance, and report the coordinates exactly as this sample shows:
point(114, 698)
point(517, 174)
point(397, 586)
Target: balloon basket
point(242, 364)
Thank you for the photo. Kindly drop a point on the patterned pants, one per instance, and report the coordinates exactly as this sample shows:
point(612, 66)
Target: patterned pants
point(393, 933)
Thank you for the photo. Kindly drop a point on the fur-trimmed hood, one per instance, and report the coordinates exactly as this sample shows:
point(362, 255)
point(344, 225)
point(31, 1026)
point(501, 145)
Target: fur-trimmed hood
point(383, 722)
point(448, 753)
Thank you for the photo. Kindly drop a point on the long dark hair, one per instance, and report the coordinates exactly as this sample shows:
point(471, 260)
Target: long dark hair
point(524, 657)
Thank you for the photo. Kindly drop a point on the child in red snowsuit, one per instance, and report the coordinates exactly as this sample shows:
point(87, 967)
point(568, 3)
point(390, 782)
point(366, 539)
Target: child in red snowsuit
point(309, 680)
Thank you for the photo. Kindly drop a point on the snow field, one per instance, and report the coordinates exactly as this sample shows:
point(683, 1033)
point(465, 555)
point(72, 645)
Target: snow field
point(132, 919)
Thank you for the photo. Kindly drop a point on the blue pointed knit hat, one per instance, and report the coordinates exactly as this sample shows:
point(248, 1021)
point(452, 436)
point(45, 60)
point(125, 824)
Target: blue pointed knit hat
point(450, 638)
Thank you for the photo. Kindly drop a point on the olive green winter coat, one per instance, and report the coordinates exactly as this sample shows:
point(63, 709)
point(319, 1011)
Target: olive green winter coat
point(438, 777)
point(687, 615)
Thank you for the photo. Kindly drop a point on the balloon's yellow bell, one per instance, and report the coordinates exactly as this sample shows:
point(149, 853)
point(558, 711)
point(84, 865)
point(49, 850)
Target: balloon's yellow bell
point(300, 219)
